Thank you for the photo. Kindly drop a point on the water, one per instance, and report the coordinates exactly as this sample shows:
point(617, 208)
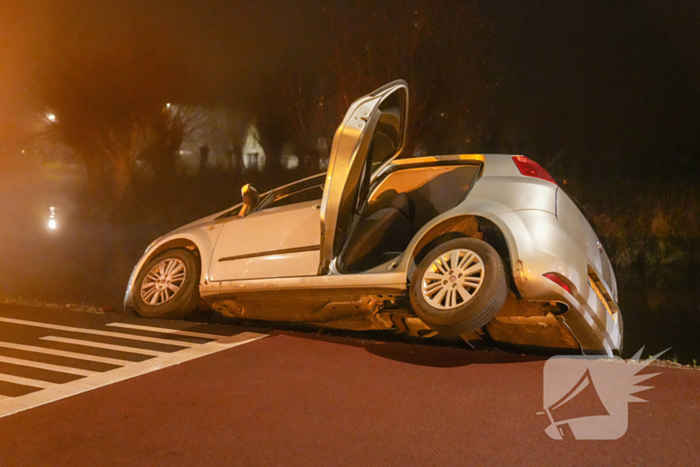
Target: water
point(659, 314)
point(78, 262)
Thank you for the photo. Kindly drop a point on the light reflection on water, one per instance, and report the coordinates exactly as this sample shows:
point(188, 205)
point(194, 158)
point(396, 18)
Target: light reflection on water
point(85, 263)
point(77, 262)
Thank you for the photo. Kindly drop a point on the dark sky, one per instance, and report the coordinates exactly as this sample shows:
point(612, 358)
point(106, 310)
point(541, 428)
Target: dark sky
point(618, 71)
point(613, 79)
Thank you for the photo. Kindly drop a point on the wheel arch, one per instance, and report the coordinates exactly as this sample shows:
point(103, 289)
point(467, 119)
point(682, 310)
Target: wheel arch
point(183, 243)
point(465, 225)
point(170, 243)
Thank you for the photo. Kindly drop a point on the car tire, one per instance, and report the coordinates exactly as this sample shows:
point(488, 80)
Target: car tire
point(459, 286)
point(168, 285)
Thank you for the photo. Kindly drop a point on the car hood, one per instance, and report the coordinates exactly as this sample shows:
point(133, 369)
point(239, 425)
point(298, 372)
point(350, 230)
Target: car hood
point(202, 222)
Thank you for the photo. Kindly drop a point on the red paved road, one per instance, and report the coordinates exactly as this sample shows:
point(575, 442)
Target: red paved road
point(294, 399)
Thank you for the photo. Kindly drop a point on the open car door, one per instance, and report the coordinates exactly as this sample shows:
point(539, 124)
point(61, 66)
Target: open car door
point(371, 135)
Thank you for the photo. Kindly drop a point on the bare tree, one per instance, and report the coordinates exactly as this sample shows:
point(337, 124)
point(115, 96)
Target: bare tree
point(107, 97)
point(444, 52)
point(162, 133)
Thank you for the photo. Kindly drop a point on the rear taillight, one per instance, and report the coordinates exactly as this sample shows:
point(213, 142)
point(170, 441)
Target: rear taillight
point(557, 280)
point(530, 168)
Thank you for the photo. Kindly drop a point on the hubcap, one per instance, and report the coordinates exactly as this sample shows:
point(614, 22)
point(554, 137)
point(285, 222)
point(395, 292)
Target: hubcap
point(452, 279)
point(163, 281)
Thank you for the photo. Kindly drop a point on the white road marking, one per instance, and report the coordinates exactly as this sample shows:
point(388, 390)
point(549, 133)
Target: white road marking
point(64, 353)
point(18, 404)
point(176, 332)
point(25, 381)
point(96, 332)
point(46, 366)
point(100, 345)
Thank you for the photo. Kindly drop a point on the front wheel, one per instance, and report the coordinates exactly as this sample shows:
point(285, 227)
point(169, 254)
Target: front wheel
point(459, 286)
point(168, 285)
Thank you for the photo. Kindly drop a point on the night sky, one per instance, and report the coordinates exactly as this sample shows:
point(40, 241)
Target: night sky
point(611, 87)
point(624, 74)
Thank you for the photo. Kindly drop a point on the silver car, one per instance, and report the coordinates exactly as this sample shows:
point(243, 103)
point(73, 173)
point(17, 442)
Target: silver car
point(452, 246)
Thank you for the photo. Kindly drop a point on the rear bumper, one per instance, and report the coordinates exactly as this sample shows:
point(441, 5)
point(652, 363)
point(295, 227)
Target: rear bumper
point(539, 245)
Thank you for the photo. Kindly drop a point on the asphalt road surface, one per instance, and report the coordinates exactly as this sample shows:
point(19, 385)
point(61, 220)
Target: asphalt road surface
point(109, 389)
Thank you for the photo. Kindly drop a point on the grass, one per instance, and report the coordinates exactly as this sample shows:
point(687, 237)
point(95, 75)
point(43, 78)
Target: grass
point(649, 228)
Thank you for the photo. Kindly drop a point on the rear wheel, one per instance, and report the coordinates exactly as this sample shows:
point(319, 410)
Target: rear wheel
point(168, 285)
point(459, 286)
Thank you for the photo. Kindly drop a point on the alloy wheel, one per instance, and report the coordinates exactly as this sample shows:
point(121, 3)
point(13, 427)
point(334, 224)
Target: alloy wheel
point(452, 279)
point(163, 281)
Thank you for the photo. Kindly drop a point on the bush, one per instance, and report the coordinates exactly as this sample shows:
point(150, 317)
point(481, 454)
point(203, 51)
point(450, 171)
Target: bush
point(647, 229)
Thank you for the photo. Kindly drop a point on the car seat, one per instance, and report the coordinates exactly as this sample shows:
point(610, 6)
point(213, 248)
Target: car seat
point(383, 232)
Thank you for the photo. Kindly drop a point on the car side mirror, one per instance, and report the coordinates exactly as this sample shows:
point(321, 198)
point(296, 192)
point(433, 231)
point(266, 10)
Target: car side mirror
point(250, 199)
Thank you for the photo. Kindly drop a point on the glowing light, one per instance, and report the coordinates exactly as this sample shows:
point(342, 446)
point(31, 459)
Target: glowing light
point(53, 223)
point(167, 105)
point(51, 117)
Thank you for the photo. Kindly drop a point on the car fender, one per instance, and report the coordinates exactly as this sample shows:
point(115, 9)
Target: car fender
point(477, 208)
point(203, 239)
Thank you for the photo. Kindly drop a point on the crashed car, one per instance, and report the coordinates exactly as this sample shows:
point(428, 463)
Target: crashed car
point(472, 245)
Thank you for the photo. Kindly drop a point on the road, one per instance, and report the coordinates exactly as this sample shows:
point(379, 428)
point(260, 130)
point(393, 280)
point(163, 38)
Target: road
point(112, 389)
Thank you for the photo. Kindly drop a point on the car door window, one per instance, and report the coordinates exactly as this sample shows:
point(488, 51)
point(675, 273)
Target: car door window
point(311, 193)
point(387, 137)
point(233, 212)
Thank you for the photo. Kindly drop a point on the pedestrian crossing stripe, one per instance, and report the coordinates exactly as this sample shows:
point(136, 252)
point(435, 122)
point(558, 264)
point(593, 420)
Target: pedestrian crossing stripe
point(175, 332)
point(65, 353)
point(100, 345)
point(97, 332)
point(55, 392)
point(46, 366)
